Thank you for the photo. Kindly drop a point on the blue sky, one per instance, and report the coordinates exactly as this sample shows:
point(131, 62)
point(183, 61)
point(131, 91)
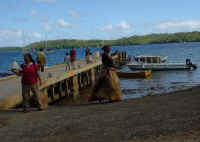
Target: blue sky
point(26, 21)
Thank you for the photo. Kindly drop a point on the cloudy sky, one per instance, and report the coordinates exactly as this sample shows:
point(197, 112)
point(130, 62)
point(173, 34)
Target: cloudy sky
point(26, 21)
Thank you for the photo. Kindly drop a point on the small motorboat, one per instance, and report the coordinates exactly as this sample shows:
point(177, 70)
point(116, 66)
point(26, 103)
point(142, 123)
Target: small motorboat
point(156, 64)
point(131, 75)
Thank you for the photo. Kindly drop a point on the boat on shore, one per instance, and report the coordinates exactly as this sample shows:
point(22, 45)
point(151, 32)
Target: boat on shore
point(157, 63)
point(134, 75)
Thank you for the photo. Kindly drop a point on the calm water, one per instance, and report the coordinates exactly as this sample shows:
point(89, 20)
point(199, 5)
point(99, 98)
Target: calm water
point(159, 82)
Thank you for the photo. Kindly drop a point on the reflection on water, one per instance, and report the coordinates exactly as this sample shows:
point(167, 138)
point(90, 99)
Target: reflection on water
point(160, 82)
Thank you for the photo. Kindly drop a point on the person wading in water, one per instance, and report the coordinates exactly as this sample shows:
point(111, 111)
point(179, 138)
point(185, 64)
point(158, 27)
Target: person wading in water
point(30, 77)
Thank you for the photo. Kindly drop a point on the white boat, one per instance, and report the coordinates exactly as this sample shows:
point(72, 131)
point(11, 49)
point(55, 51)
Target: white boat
point(156, 64)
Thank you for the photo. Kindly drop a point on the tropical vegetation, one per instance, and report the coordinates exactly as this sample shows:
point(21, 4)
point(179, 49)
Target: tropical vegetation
point(133, 40)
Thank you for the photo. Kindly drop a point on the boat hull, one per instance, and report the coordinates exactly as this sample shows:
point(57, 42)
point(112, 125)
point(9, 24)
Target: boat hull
point(151, 59)
point(160, 67)
point(134, 75)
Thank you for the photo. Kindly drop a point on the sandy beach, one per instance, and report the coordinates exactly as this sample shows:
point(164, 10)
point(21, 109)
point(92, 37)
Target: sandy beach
point(173, 117)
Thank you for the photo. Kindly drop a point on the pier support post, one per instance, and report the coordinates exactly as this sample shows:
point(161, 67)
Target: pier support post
point(75, 87)
point(92, 76)
point(51, 93)
point(44, 98)
point(67, 91)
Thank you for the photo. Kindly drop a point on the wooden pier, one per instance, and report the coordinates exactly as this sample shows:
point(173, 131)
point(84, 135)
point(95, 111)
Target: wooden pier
point(56, 82)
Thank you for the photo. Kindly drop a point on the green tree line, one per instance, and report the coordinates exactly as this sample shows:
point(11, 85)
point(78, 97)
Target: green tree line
point(10, 49)
point(133, 40)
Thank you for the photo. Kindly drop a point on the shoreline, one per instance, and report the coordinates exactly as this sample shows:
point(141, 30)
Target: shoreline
point(19, 49)
point(166, 117)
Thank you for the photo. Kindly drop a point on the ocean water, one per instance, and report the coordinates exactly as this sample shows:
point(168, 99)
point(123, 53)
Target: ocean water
point(160, 82)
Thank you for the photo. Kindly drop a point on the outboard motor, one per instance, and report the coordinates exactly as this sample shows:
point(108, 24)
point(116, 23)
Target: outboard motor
point(190, 64)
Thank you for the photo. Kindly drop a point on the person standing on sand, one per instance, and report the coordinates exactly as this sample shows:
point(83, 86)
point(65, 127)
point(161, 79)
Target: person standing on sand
point(30, 76)
point(108, 86)
point(41, 60)
point(73, 58)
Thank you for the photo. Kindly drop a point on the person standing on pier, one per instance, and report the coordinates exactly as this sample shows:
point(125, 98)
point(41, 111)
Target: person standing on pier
point(88, 55)
point(41, 60)
point(30, 77)
point(73, 57)
point(67, 62)
point(87, 51)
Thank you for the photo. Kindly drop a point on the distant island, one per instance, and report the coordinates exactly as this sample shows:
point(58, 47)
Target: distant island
point(133, 40)
point(11, 49)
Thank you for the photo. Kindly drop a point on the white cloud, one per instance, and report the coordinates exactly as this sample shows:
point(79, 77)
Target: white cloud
point(178, 26)
point(113, 31)
point(9, 34)
point(37, 35)
point(73, 13)
point(123, 25)
point(36, 15)
point(63, 23)
point(10, 37)
point(107, 27)
point(46, 27)
point(33, 13)
point(45, 0)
